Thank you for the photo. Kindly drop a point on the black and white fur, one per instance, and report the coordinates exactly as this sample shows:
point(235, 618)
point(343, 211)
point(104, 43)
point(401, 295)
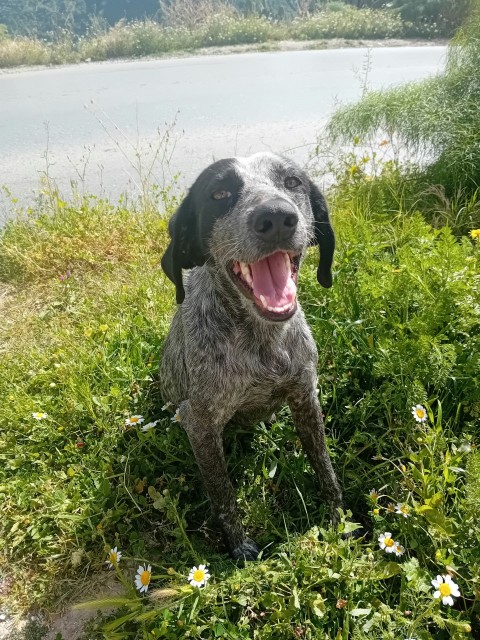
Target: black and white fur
point(226, 357)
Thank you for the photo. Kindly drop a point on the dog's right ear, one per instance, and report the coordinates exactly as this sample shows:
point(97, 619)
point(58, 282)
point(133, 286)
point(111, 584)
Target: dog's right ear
point(184, 251)
point(324, 236)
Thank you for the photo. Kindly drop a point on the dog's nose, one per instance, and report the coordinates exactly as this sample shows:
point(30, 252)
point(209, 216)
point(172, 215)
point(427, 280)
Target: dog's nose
point(274, 220)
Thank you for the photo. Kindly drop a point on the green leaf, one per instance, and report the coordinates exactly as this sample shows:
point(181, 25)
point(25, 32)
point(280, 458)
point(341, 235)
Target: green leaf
point(384, 570)
point(318, 606)
point(296, 599)
point(121, 601)
point(439, 521)
point(348, 527)
point(356, 613)
point(273, 469)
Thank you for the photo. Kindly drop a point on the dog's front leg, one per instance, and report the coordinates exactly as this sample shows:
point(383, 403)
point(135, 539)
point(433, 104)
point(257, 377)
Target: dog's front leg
point(308, 420)
point(206, 439)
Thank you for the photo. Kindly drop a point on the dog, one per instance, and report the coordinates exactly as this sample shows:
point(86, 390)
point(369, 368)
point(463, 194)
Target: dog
point(239, 346)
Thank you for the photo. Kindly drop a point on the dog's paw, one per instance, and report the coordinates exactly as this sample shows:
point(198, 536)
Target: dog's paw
point(247, 550)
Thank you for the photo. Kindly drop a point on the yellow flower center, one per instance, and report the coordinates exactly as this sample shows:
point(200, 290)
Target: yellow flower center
point(145, 578)
point(404, 509)
point(445, 589)
point(420, 413)
point(199, 575)
point(113, 557)
point(134, 420)
point(389, 542)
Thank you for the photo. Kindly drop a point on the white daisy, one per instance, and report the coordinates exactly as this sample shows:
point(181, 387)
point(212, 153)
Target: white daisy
point(134, 421)
point(387, 543)
point(419, 413)
point(113, 557)
point(177, 417)
point(445, 589)
point(398, 549)
point(143, 577)
point(198, 577)
point(150, 425)
point(38, 415)
point(403, 510)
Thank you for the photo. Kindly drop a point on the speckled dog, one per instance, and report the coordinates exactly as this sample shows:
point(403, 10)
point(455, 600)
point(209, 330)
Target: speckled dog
point(239, 346)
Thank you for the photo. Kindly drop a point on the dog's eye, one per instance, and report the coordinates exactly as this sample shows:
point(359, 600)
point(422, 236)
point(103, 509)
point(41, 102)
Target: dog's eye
point(292, 182)
point(221, 194)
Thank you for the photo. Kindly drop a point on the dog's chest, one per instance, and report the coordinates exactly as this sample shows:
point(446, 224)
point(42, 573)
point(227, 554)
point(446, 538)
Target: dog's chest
point(266, 373)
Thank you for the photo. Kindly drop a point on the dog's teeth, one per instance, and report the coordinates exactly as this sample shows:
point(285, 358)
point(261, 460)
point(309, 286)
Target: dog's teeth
point(263, 301)
point(246, 272)
point(284, 309)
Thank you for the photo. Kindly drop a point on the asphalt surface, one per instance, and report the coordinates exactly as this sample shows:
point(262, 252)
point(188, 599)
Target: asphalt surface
point(108, 126)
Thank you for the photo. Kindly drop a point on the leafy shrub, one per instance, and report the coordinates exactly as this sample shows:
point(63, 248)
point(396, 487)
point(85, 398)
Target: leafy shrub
point(19, 51)
point(335, 5)
point(224, 30)
point(189, 14)
point(442, 16)
point(352, 23)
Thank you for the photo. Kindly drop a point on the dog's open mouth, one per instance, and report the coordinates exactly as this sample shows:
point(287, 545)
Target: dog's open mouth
point(271, 283)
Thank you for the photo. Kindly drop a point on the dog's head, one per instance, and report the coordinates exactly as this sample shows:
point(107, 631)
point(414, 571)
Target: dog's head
point(253, 218)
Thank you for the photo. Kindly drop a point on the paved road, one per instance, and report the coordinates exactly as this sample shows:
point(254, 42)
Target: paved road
point(95, 121)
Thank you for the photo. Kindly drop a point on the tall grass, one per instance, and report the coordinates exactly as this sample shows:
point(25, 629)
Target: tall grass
point(222, 28)
point(438, 117)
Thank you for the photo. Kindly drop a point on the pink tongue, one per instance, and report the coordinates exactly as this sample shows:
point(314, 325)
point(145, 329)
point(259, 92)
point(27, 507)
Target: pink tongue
point(272, 278)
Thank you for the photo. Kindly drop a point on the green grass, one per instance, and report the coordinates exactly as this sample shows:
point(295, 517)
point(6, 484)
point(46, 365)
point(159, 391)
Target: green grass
point(126, 40)
point(436, 123)
point(86, 309)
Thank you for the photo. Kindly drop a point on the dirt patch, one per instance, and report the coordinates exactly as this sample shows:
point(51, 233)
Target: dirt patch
point(68, 622)
point(71, 622)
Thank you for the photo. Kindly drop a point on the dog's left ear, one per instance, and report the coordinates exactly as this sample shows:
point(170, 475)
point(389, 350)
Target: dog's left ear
point(324, 236)
point(184, 250)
